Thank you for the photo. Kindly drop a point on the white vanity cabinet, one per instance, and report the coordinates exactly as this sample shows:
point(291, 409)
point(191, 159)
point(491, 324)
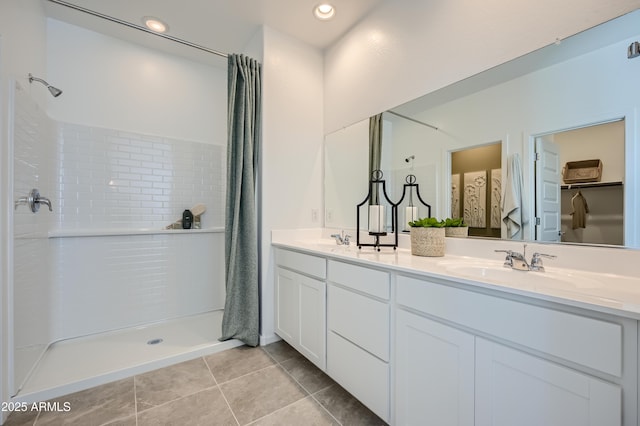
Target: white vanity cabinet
point(515, 388)
point(358, 333)
point(300, 302)
point(434, 373)
point(451, 370)
point(421, 347)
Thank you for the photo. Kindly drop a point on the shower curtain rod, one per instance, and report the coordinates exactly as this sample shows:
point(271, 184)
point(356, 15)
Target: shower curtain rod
point(137, 27)
point(412, 119)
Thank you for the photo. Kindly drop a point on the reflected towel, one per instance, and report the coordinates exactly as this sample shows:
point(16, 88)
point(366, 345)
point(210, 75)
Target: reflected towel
point(513, 214)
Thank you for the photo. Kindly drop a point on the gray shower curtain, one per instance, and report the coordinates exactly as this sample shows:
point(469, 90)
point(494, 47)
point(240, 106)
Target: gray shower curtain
point(241, 318)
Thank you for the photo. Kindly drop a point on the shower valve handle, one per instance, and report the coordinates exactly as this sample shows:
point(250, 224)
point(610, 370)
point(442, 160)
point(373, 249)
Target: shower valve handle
point(33, 200)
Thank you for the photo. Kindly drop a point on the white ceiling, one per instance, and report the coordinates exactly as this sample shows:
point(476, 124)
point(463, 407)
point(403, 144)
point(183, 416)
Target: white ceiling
point(222, 25)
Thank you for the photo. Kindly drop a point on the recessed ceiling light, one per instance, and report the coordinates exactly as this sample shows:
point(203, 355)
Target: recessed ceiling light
point(324, 11)
point(155, 24)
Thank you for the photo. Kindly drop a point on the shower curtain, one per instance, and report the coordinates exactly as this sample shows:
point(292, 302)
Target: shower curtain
point(241, 310)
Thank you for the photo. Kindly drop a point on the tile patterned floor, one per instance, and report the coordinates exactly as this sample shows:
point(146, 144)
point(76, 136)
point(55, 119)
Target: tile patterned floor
point(270, 385)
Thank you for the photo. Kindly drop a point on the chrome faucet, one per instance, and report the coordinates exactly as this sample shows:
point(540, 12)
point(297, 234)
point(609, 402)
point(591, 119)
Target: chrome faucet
point(342, 239)
point(515, 260)
point(518, 261)
point(536, 261)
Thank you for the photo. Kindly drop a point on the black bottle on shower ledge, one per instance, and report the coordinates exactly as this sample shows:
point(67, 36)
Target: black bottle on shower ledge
point(187, 219)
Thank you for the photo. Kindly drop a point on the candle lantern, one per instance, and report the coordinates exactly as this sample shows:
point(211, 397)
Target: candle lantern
point(377, 202)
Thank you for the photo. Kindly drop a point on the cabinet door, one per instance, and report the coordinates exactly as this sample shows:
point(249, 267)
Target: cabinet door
point(515, 388)
point(301, 314)
point(287, 305)
point(312, 314)
point(434, 373)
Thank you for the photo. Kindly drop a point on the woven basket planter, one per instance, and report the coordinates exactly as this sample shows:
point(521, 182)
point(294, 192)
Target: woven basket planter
point(427, 241)
point(456, 231)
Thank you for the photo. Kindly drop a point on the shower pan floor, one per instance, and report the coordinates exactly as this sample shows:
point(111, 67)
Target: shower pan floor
point(77, 364)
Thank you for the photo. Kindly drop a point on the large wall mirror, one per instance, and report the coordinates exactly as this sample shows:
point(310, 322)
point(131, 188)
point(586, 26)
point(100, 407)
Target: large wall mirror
point(578, 96)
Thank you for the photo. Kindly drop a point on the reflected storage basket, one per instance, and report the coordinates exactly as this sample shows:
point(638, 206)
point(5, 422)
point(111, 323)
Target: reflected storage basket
point(427, 241)
point(582, 171)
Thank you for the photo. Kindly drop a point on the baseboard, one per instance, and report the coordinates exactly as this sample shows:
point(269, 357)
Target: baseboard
point(266, 340)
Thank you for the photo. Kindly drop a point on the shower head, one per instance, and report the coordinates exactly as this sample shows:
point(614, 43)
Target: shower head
point(409, 158)
point(53, 90)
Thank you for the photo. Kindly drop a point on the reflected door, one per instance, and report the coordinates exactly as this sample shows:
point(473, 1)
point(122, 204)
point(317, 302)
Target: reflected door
point(547, 189)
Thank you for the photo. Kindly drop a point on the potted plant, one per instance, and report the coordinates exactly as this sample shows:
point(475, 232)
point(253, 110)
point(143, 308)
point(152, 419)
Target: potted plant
point(455, 227)
point(427, 237)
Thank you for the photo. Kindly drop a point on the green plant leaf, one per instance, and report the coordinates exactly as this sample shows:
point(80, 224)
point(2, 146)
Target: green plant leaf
point(427, 222)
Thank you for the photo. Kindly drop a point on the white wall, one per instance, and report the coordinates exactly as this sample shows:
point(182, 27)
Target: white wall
point(114, 84)
point(23, 30)
point(22, 50)
point(408, 48)
point(292, 152)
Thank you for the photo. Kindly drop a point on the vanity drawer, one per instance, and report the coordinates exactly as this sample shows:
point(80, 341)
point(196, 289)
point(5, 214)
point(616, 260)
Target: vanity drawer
point(363, 375)
point(365, 280)
point(305, 263)
point(586, 341)
point(360, 319)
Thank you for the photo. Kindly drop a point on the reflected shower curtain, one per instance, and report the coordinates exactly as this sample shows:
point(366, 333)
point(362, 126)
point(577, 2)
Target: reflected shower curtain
point(242, 305)
point(375, 151)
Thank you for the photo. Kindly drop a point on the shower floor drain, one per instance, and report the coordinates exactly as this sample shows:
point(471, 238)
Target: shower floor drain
point(154, 341)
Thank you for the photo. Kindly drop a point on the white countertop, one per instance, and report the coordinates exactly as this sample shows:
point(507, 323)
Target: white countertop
point(610, 293)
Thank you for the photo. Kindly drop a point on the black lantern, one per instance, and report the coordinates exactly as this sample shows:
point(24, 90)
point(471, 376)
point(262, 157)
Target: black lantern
point(376, 214)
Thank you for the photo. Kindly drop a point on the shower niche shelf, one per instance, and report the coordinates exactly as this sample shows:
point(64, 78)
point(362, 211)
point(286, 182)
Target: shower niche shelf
point(74, 233)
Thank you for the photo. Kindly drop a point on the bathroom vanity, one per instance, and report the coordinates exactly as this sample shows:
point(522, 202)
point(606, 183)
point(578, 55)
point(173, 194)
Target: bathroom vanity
point(460, 340)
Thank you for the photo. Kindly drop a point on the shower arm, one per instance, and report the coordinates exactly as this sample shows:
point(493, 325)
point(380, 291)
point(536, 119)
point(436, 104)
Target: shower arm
point(32, 79)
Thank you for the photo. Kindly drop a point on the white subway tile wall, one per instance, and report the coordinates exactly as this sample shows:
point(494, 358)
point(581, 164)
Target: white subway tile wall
point(110, 179)
point(113, 282)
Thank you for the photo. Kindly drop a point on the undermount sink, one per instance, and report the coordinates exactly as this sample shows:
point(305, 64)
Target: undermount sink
point(329, 244)
point(604, 287)
point(501, 274)
point(481, 271)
